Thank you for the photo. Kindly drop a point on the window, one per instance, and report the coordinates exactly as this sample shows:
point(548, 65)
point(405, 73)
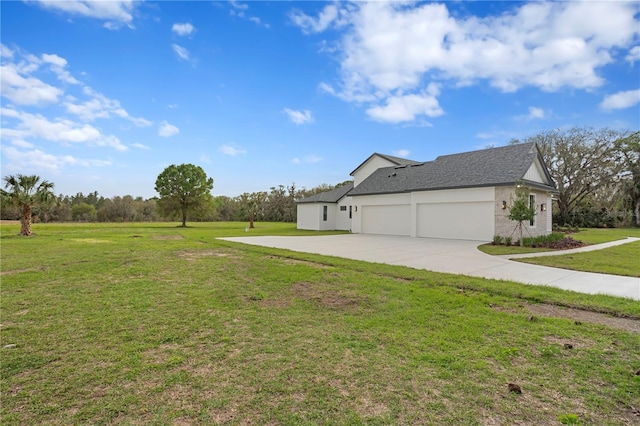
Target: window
point(324, 213)
point(532, 204)
point(343, 208)
point(349, 212)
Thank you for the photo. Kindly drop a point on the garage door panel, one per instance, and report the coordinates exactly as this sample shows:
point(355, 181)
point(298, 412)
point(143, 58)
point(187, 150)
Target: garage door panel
point(386, 219)
point(467, 221)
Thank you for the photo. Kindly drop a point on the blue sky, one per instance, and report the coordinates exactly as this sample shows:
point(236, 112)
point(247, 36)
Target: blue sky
point(102, 96)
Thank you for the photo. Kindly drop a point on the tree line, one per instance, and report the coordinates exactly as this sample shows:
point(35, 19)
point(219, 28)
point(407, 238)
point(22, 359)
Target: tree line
point(597, 172)
point(275, 205)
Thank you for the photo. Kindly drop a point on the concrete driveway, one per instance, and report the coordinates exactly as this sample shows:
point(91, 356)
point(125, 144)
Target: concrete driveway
point(452, 256)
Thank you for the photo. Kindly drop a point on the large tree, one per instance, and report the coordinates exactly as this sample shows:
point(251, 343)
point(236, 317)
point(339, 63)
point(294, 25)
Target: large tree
point(26, 193)
point(580, 160)
point(182, 189)
point(629, 148)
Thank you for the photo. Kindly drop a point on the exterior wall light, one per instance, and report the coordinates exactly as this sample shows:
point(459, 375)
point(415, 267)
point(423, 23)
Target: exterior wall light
point(504, 205)
point(543, 207)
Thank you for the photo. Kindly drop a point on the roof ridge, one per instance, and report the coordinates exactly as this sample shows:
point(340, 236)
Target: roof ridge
point(515, 145)
point(394, 159)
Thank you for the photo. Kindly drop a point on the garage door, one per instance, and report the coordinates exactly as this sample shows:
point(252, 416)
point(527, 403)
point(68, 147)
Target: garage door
point(387, 220)
point(460, 221)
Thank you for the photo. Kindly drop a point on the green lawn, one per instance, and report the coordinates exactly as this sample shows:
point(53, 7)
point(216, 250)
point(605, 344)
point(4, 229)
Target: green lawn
point(604, 235)
point(587, 236)
point(620, 260)
point(154, 324)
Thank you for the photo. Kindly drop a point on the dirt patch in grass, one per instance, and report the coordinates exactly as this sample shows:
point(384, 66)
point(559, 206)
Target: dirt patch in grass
point(192, 255)
point(327, 295)
point(291, 261)
point(20, 271)
point(578, 315)
point(167, 237)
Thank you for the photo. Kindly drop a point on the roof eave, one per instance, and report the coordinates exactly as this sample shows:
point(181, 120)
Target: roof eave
point(530, 184)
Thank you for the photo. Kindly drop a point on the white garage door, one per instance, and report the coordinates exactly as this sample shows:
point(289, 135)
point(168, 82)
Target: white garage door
point(460, 221)
point(387, 220)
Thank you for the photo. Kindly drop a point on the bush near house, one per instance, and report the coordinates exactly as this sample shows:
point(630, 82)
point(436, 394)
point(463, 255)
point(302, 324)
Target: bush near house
point(555, 240)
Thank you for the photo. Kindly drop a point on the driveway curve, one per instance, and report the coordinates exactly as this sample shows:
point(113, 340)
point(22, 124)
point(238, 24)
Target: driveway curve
point(451, 256)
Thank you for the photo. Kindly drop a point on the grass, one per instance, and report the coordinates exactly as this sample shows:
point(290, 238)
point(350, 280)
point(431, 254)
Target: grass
point(154, 324)
point(605, 235)
point(619, 260)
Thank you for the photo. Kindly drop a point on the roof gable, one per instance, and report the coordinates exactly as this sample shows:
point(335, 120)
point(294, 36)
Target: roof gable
point(393, 161)
point(488, 167)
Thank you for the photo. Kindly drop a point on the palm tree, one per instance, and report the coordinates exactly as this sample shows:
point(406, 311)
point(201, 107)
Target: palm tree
point(26, 192)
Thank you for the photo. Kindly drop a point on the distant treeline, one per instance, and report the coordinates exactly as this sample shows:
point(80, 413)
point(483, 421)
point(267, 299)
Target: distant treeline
point(275, 205)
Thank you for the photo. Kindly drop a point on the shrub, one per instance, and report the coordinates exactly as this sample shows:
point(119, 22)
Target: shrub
point(543, 240)
point(507, 241)
point(569, 419)
point(497, 240)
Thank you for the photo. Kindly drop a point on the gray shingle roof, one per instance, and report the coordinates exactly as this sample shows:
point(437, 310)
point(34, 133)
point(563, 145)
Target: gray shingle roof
point(332, 196)
point(488, 167)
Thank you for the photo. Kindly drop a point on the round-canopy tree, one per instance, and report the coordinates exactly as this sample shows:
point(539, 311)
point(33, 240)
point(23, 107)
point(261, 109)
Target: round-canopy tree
point(26, 192)
point(182, 189)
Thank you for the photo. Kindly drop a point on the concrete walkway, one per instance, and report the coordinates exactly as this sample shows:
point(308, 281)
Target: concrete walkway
point(451, 256)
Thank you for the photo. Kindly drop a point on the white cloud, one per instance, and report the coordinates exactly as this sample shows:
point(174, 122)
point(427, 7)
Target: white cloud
point(535, 112)
point(326, 17)
point(5, 52)
point(23, 89)
point(141, 146)
point(183, 29)
point(238, 5)
point(99, 106)
point(326, 88)
point(633, 55)
point(25, 132)
point(54, 59)
point(621, 100)
point(232, 150)
point(167, 130)
point(240, 9)
point(62, 130)
point(390, 51)
point(182, 52)
point(37, 160)
point(58, 66)
point(307, 159)
point(408, 107)
point(299, 117)
point(404, 153)
point(115, 12)
point(26, 90)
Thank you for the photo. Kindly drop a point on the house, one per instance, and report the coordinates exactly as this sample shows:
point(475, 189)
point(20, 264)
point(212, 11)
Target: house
point(326, 211)
point(459, 196)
